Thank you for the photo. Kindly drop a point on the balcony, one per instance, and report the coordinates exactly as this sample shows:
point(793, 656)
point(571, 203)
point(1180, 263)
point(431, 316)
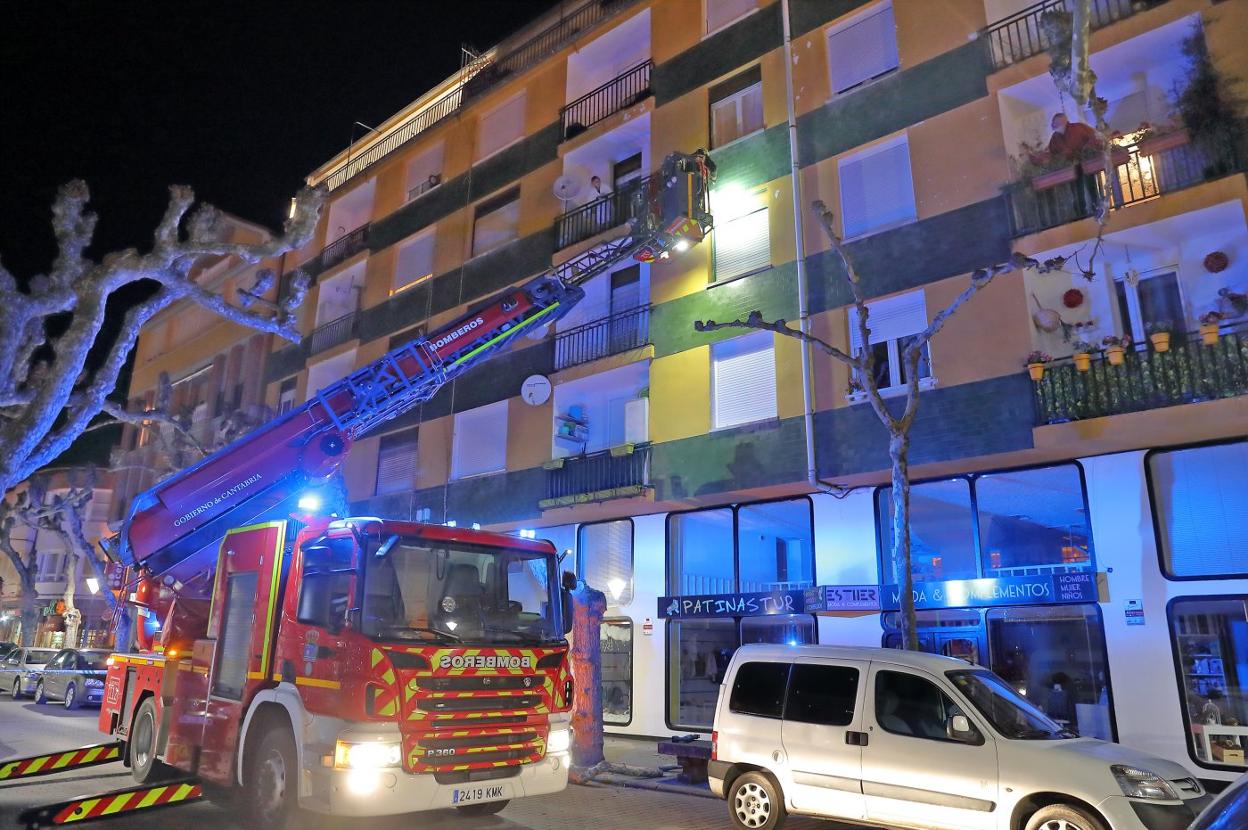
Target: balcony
point(616, 94)
point(1189, 372)
point(333, 333)
point(617, 473)
point(602, 214)
point(1021, 35)
point(1142, 171)
point(603, 337)
point(345, 246)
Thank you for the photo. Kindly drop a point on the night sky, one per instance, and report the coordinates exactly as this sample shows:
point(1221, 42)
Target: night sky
point(238, 100)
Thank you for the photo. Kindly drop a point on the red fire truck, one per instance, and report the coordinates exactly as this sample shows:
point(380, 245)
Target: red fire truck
point(293, 660)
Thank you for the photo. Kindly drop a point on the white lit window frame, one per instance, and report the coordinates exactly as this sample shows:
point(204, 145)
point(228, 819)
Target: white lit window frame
point(736, 99)
point(896, 386)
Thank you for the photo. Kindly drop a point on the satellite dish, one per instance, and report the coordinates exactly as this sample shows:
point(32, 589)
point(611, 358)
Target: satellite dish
point(566, 187)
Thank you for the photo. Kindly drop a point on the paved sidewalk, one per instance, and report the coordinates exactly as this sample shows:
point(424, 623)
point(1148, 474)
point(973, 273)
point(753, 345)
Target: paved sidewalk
point(642, 753)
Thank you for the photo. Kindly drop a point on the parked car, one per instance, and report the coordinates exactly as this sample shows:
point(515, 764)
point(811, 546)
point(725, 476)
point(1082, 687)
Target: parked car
point(905, 739)
point(21, 670)
point(74, 677)
point(1229, 811)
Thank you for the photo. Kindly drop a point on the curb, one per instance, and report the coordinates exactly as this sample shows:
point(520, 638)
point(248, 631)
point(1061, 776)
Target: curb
point(657, 785)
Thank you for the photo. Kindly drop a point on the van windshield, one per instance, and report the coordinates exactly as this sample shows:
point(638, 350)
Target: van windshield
point(1005, 709)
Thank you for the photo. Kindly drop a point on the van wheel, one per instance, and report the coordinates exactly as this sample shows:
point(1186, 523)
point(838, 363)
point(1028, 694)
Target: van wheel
point(1064, 817)
point(485, 808)
point(756, 803)
point(142, 744)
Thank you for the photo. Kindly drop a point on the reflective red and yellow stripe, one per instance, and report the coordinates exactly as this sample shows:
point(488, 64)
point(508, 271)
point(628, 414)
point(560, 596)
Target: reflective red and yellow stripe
point(87, 756)
point(127, 801)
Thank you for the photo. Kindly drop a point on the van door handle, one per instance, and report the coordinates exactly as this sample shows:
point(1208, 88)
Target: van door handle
point(856, 738)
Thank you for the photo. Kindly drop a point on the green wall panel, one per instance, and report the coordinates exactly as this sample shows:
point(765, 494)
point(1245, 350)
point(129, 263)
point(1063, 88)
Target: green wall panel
point(719, 54)
point(756, 455)
point(754, 160)
point(805, 15)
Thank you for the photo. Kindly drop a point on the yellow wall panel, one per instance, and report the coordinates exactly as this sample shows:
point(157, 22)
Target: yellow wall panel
point(680, 395)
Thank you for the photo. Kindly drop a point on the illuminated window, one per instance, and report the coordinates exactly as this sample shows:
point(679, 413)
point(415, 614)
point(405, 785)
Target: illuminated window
point(893, 323)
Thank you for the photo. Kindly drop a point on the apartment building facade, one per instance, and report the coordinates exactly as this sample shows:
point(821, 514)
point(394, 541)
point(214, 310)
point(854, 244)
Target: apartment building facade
point(1073, 532)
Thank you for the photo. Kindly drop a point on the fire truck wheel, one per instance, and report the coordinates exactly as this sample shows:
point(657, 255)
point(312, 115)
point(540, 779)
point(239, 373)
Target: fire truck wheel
point(485, 808)
point(272, 795)
point(144, 765)
point(40, 697)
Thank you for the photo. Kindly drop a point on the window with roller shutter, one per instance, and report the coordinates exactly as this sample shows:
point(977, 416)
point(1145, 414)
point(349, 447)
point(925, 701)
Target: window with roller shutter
point(862, 48)
point(479, 445)
point(742, 246)
point(892, 323)
point(743, 380)
point(396, 463)
point(721, 13)
point(500, 127)
point(877, 191)
point(414, 263)
point(736, 107)
point(605, 560)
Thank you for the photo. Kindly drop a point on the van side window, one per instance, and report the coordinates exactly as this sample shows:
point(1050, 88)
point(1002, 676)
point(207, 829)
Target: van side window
point(759, 689)
point(822, 694)
point(906, 704)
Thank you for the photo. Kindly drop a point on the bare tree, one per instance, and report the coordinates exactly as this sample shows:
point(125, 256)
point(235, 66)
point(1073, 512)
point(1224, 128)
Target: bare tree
point(45, 404)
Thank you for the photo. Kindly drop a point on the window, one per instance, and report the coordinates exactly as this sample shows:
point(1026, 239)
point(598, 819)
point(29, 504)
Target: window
point(698, 654)
point(737, 107)
point(1155, 298)
point(1033, 521)
point(942, 531)
point(742, 245)
point(893, 323)
point(822, 694)
point(906, 704)
point(862, 48)
point(1198, 496)
point(616, 644)
point(700, 558)
point(396, 462)
point(500, 127)
point(877, 191)
point(775, 545)
point(719, 13)
point(496, 221)
point(743, 380)
point(606, 559)
point(415, 261)
point(759, 688)
point(238, 618)
point(424, 173)
point(1210, 639)
point(286, 396)
point(779, 629)
point(330, 370)
point(480, 441)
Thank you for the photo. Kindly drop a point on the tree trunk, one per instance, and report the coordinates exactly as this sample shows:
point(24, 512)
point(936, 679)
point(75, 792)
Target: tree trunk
point(588, 607)
point(30, 616)
point(71, 614)
point(899, 452)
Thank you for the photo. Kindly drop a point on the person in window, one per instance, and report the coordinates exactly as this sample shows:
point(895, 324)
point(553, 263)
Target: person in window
point(1072, 142)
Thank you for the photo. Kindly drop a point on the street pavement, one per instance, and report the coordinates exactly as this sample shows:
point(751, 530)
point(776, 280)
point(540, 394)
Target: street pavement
point(29, 729)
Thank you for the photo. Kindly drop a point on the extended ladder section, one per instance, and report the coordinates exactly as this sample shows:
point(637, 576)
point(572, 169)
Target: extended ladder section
point(177, 523)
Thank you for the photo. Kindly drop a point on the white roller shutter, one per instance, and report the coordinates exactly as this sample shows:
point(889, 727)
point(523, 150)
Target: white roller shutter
point(396, 463)
point(500, 126)
point(742, 245)
point(890, 319)
point(863, 48)
point(607, 559)
point(415, 260)
point(743, 380)
point(480, 442)
point(877, 190)
point(719, 13)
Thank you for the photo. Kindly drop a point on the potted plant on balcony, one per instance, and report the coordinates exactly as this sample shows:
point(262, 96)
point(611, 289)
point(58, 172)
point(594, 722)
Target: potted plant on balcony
point(1115, 348)
point(1083, 355)
point(1209, 322)
point(1159, 334)
point(1035, 364)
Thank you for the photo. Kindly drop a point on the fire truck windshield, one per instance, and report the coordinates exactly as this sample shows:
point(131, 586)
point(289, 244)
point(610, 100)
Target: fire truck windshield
point(457, 592)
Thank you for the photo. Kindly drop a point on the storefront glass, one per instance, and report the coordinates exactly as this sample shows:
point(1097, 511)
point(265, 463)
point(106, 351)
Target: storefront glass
point(700, 556)
point(1033, 521)
point(1210, 636)
point(698, 654)
point(775, 545)
point(1198, 496)
point(616, 640)
point(606, 559)
point(783, 629)
point(942, 531)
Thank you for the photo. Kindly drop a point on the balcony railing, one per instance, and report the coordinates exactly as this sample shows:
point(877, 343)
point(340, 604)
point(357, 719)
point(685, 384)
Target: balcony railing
point(345, 246)
point(1140, 172)
point(1022, 35)
point(602, 214)
point(616, 94)
point(598, 476)
point(1146, 379)
point(600, 338)
point(333, 333)
point(414, 126)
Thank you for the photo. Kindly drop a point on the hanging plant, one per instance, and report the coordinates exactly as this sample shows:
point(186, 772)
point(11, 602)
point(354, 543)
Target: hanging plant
point(1072, 298)
point(1216, 262)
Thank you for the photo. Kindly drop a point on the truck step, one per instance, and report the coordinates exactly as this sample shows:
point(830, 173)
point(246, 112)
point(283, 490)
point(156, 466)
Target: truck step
point(114, 804)
point(54, 762)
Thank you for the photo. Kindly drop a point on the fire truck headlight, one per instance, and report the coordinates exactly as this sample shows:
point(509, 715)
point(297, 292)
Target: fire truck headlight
point(367, 756)
point(560, 741)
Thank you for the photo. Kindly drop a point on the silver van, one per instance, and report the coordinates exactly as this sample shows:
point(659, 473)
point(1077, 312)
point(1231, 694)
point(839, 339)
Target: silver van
point(906, 739)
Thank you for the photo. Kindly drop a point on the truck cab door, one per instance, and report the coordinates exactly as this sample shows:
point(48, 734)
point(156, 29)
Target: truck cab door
point(242, 620)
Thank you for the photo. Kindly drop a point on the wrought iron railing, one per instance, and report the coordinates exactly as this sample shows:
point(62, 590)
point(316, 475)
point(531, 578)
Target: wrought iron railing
point(1022, 34)
point(599, 476)
point(616, 94)
point(409, 129)
point(600, 338)
point(1140, 172)
point(333, 333)
point(347, 245)
point(424, 187)
point(602, 214)
point(1190, 371)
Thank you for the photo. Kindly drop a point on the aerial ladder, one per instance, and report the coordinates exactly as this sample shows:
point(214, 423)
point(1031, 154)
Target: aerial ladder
point(404, 696)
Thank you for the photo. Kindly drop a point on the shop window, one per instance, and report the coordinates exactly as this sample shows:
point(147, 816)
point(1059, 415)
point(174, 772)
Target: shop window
point(775, 545)
point(1210, 636)
point(758, 689)
point(743, 380)
point(698, 656)
point(500, 127)
point(496, 222)
point(942, 531)
point(720, 13)
point(616, 643)
point(1198, 496)
point(606, 559)
point(479, 444)
point(877, 191)
point(906, 704)
point(736, 107)
point(780, 629)
point(1033, 521)
point(863, 48)
point(415, 261)
point(893, 324)
point(822, 694)
point(742, 245)
point(700, 552)
point(396, 463)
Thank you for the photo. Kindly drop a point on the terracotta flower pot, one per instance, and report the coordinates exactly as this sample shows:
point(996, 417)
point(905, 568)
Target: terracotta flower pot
point(1036, 370)
point(1209, 333)
point(1083, 361)
point(1161, 341)
point(1115, 355)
